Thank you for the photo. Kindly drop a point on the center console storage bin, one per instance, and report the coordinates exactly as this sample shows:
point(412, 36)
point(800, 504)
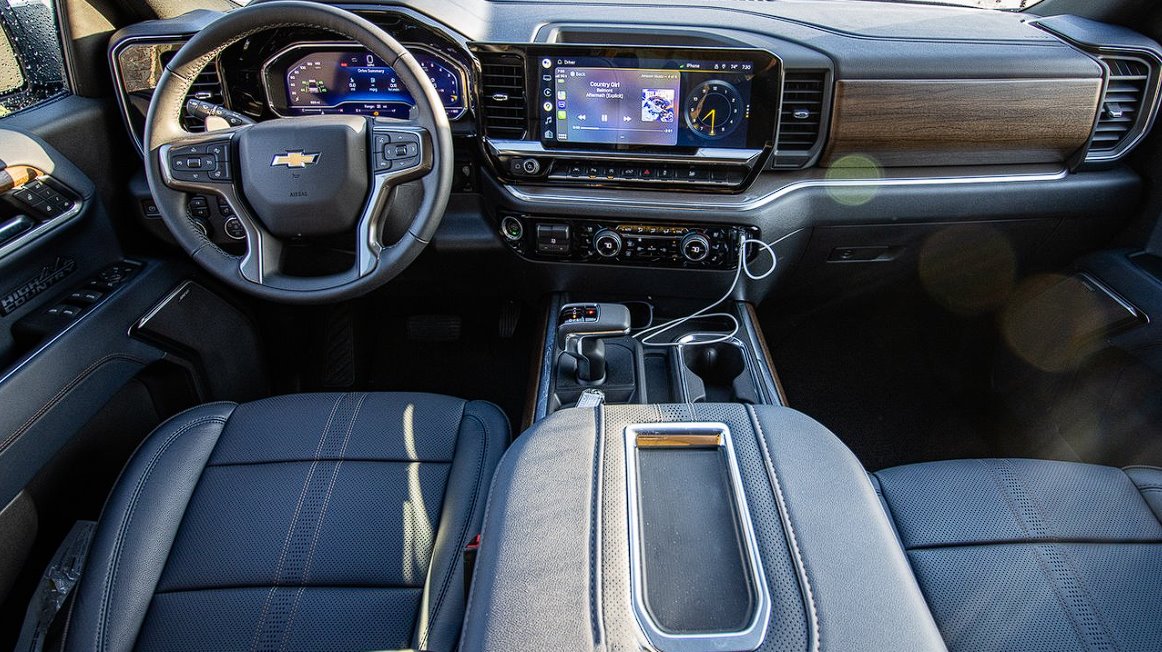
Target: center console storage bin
point(695, 572)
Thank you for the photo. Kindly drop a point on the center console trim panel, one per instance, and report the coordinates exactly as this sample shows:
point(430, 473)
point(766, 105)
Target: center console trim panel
point(749, 334)
point(692, 435)
point(544, 199)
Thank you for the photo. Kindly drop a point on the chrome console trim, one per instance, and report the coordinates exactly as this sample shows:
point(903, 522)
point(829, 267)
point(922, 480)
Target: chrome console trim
point(44, 228)
point(721, 155)
point(670, 202)
point(749, 355)
point(752, 635)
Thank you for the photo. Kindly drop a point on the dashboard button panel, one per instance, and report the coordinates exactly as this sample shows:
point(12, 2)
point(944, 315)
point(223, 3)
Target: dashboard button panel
point(717, 177)
point(646, 244)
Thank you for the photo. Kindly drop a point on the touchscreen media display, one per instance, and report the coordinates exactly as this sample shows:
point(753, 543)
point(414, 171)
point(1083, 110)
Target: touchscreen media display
point(647, 102)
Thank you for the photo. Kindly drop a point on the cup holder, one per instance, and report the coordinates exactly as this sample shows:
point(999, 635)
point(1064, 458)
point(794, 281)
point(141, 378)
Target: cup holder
point(717, 372)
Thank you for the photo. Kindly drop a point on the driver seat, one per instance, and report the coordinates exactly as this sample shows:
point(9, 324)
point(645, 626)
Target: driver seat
point(301, 522)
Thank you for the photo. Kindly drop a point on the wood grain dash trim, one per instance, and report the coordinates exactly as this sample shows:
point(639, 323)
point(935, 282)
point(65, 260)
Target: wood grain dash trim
point(962, 122)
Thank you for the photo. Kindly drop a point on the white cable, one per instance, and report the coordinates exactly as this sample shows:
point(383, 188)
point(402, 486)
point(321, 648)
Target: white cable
point(646, 335)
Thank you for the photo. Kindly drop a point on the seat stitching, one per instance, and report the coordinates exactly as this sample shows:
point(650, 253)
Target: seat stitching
point(319, 522)
point(327, 458)
point(595, 527)
point(1080, 579)
point(318, 585)
point(464, 529)
point(1047, 553)
point(123, 527)
point(476, 570)
point(290, 529)
point(780, 501)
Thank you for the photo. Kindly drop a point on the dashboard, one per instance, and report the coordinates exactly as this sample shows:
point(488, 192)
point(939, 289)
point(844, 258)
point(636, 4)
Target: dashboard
point(596, 137)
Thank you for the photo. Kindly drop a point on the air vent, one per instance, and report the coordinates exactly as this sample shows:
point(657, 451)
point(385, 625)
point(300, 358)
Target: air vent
point(801, 118)
point(503, 96)
point(1121, 106)
point(208, 88)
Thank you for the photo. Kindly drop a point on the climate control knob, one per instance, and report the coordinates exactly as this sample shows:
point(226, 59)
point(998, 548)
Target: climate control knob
point(695, 247)
point(607, 243)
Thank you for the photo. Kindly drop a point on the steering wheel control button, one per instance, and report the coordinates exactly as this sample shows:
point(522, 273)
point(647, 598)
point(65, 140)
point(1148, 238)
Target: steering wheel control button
point(512, 229)
point(201, 163)
point(234, 229)
point(395, 150)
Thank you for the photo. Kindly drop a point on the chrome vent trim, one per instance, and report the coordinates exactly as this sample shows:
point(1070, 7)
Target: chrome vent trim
point(504, 105)
point(802, 113)
point(1128, 105)
point(1121, 103)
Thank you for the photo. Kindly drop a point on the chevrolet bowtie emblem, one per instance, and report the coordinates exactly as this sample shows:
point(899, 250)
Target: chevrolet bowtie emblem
point(295, 159)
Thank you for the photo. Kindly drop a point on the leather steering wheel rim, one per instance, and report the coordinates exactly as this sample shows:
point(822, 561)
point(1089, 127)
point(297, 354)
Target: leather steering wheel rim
point(163, 129)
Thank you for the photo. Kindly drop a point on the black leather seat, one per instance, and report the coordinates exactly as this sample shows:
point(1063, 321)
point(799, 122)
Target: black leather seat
point(306, 522)
point(1033, 555)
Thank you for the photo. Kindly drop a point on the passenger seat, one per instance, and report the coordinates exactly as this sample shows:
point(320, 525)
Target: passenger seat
point(1032, 555)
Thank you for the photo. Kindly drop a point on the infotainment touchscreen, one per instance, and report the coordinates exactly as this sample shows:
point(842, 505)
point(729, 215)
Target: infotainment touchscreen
point(648, 100)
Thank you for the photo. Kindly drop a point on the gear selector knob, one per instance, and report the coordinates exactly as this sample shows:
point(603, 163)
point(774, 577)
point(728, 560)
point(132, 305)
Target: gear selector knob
point(579, 326)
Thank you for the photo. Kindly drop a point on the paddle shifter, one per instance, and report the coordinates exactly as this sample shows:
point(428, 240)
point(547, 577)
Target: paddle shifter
point(579, 331)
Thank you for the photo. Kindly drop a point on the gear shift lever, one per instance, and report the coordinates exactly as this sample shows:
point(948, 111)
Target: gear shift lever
point(579, 332)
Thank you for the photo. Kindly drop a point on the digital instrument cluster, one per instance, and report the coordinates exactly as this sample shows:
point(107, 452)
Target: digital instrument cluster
point(307, 79)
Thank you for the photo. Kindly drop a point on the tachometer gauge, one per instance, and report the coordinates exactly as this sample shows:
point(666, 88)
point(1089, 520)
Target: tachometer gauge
point(447, 84)
point(714, 109)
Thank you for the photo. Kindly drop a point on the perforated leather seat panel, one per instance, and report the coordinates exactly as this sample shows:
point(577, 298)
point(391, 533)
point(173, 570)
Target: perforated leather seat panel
point(1033, 555)
point(306, 522)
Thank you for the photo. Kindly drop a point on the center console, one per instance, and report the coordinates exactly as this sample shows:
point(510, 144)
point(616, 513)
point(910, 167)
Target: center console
point(663, 499)
point(689, 528)
point(622, 116)
point(595, 347)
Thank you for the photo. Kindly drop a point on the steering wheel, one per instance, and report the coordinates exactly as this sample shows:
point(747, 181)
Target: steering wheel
point(302, 177)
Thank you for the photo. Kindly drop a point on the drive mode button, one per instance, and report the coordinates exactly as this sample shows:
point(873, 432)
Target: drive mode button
point(553, 238)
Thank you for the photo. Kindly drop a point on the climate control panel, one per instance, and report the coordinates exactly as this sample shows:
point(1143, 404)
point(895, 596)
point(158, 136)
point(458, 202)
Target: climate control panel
point(649, 244)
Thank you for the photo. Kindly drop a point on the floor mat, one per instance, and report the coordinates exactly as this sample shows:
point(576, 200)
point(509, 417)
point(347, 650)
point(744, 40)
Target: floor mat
point(419, 349)
point(896, 381)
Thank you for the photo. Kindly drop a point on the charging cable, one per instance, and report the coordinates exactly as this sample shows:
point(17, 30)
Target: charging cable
point(646, 336)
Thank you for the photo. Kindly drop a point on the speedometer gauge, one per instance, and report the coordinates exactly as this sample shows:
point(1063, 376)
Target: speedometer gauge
point(328, 78)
